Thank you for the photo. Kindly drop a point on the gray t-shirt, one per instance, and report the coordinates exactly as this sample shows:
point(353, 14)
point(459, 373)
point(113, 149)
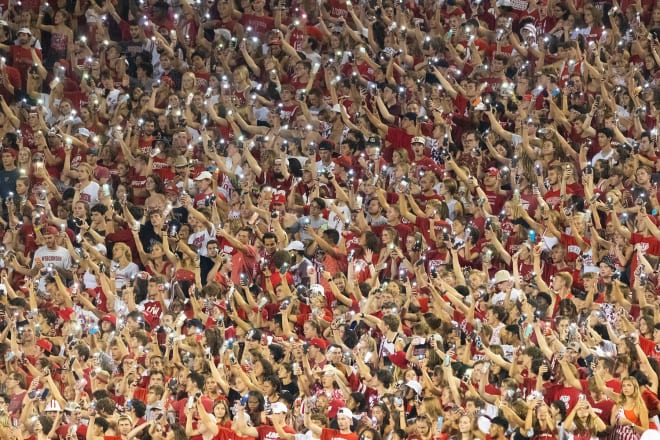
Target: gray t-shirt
point(320, 224)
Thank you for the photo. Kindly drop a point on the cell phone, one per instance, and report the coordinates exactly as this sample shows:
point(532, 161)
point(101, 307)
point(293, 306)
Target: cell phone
point(244, 400)
point(440, 421)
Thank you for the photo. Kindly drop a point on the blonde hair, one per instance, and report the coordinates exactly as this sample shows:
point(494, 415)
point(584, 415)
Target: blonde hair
point(123, 247)
point(636, 398)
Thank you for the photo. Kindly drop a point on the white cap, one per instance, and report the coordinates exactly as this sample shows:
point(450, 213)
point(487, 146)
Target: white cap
point(83, 131)
point(415, 386)
point(204, 175)
point(223, 33)
point(344, 412)
point(502, 276)
point(25, 30)
point(418, 140)
point(278, 408)
point(53, 405)
point(317, 288)
point(295, 246)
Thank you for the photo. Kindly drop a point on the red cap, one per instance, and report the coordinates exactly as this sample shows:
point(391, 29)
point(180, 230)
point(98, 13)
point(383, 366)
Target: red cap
point(318, 342)
point(344, 162)
point(334, 406)
point(493, 171)
point(167, 80)
point(45, 345)
point(171, 188)
point(49, 230)
point(101, 172)
point(110, 318)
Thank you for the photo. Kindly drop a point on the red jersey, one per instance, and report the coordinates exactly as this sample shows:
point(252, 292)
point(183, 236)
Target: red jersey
point(22, 60)
point(258, 26)
point(137, 181)
point(152, 311)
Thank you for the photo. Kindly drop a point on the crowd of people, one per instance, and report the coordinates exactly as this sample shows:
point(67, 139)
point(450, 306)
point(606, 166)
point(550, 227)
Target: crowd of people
point(327, 220)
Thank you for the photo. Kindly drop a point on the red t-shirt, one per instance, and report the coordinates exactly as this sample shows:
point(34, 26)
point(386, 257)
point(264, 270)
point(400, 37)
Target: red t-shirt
point(398, 138)
point(259, 25)
point(267, 432)
point(334, 434)
point(15, 80)
point(22, 60)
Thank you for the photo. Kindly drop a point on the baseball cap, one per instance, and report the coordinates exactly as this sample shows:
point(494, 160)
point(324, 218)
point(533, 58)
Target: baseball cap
point(345, 412)
point(415, 386)
point(180, 161)
point(171, 188)
point(318, 342)
point(110, 318)
point(101, 172)
point(574, 346)
point(71, 407)
point(295, 246)
point(25, 30)
point(418, 140)
point(83, 131)
point(53, 405)
point(493, 171)
point(326, 145)
point(608, 260)
point(50, 230)
point(502, 276)
point(373, 141)
point(278, 408)
point(204, 175)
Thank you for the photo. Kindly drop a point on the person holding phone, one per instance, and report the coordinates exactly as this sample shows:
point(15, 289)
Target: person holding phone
point(582, 421)
point(630, 417)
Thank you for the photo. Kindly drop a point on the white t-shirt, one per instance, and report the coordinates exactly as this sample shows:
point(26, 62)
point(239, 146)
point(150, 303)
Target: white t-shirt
point(334, 222)
point(198, 240)
point(90, 193)
point(601, 156)
point(123, 276)
point(58, 257)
